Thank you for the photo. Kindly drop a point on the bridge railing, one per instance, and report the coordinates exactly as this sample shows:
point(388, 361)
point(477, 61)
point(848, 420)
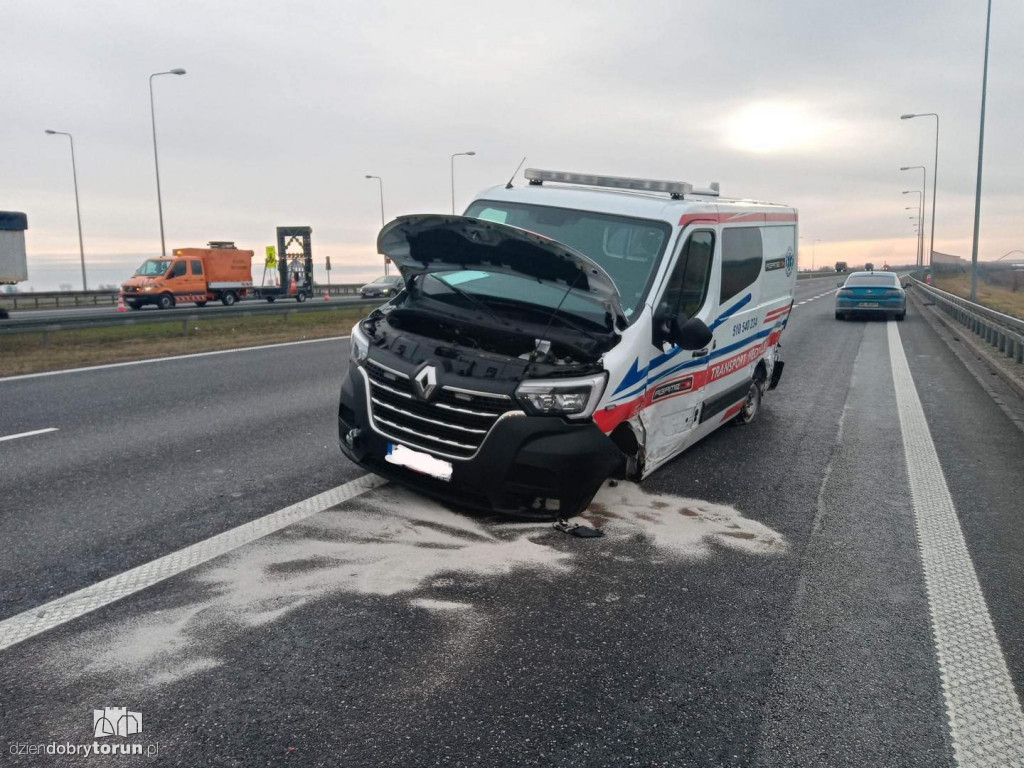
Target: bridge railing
point(71, 299)
point(1004, 332)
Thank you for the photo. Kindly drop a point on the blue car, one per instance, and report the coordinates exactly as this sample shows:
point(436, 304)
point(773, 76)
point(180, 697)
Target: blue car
point(871, 293)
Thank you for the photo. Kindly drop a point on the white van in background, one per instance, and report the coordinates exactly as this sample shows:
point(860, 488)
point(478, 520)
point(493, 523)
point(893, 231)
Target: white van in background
point(562, 332)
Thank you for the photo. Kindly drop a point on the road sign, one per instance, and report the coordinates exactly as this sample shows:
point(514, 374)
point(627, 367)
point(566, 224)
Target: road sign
point(328, 263)
point(271, 256)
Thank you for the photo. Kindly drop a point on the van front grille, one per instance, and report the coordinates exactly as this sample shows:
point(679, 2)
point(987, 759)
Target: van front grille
point(453, 423)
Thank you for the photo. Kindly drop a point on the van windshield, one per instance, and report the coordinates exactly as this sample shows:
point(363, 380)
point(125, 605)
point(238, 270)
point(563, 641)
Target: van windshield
point(153, 268)
point(499, 288)
point(628, 249)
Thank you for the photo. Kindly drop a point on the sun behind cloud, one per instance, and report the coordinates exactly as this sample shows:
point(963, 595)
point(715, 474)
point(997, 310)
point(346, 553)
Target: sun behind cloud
point(777, 127)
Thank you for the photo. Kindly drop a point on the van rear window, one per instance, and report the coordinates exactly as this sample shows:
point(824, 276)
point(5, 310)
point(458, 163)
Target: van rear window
point(888, 281)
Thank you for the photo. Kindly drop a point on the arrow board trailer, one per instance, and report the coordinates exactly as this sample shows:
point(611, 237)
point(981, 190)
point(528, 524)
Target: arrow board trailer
point(560, 333)
point(294, 264)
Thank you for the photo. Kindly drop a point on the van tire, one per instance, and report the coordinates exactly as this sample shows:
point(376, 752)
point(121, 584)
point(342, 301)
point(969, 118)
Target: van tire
point(165, 301)
point(228, 299)
point(134, 305)
point(840, 316)
point(300, 297)
point(200, 303)
point(270, 299)
point(902, 315)
point(752, 405)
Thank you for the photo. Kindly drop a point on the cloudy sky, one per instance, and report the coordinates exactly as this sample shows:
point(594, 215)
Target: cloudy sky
point(287, 105)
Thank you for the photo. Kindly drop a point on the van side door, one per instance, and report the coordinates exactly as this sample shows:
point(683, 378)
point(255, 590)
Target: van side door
point(738, 335)
point(676, 376)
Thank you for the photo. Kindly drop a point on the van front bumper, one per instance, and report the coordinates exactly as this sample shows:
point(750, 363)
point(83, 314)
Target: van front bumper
point(522, 460)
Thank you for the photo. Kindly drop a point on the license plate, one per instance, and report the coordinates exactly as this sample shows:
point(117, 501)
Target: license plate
point(420, 462)
point(868, 304)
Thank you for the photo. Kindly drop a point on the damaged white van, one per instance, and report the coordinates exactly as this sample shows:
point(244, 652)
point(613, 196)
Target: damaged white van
point(578, 328)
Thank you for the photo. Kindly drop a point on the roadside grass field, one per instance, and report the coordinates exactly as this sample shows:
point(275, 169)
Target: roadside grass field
point(992, 296)
point(36, 351)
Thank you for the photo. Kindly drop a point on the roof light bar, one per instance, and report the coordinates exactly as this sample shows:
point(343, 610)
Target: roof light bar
point(675, 188)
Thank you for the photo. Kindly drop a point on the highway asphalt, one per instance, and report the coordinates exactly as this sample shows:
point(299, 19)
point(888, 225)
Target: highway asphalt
point(760, 600)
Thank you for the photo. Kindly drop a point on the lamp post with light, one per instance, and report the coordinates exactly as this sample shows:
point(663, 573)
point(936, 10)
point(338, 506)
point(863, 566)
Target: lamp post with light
point(457, 154)
point(935, 173)
point(156, 159)
point(924, 185)
point(920, 203)
point(78, 209)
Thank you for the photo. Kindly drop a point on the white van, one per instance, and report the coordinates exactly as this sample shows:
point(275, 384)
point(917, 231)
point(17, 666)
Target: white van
point(563, 332)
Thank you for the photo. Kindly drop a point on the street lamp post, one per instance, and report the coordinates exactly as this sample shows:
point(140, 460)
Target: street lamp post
point(918, 230)
point(920, 203)
point(78, 209)
point(156, 159)
point(457, 154)
point(981, 154)
point(935, 174)
point(380, 183)
point(924, 185)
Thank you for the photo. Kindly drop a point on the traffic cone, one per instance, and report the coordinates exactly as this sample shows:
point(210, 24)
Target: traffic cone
point(327, 294)
point(120, 303)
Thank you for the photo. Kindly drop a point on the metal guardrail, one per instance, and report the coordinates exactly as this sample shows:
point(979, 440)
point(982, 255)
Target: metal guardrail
point(33, 325)
point(1004, 332)
point(71, 299)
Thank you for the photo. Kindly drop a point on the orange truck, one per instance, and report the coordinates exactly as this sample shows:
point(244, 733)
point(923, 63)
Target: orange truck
point(192, 275)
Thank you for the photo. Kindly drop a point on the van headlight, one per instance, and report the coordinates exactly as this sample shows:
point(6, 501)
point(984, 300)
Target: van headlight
point(359, 344)
point(575, 398)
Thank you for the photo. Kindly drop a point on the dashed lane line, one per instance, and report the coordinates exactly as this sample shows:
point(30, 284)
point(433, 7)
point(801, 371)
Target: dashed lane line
point(62, 610)
point(29, 434)
point(985, 718)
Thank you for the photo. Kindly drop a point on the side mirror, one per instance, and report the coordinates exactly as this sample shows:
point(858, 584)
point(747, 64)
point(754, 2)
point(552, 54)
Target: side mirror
point(690, 333)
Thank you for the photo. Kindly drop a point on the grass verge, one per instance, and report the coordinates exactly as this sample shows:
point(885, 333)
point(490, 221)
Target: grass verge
point(992, 296)
point(56, 350)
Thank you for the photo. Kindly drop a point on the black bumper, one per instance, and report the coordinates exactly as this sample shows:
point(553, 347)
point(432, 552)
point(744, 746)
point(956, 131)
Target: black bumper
point(521, 460)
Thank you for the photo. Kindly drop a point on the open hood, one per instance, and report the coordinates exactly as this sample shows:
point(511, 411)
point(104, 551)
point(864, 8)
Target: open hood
point(434, 243)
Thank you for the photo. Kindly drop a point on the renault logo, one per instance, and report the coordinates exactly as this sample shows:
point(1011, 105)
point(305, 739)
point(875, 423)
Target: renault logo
point(426, 381)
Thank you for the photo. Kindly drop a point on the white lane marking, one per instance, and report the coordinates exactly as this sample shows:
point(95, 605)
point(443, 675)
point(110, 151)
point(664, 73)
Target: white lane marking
point(985, 718)
point(800, 302)
point(166, 359)
point(56, 612)
point(28, 434)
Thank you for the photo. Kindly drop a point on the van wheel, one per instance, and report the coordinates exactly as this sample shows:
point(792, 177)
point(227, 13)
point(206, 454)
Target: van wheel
point(902, 315)
point(752, 405)
point(134, 305)
point(300, 297)
point(200, 303)
point(840, 316)
point(228, 299)
point(165, 301)
point(270, 299)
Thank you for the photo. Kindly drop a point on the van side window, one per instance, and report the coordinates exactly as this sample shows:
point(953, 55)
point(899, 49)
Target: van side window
point(197, 267)
point(689, 280)
point(179, 269)
point(742, 257)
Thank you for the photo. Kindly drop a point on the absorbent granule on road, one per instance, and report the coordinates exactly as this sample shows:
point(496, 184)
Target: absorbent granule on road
point(392, 543)
point(687, 528)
